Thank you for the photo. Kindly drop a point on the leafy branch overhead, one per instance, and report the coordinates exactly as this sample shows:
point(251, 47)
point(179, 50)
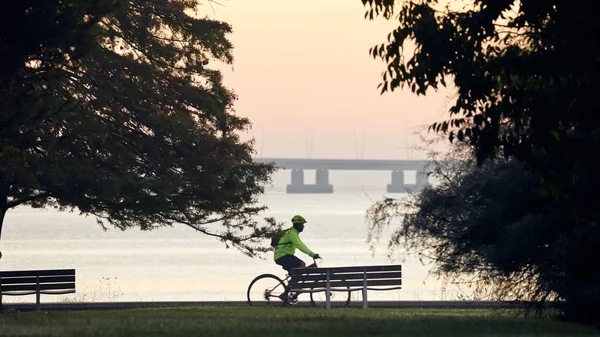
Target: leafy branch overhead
point(524, 81)
point(128, 121)
point(515, 66)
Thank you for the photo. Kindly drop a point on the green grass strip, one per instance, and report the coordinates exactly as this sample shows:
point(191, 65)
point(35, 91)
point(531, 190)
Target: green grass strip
point(288, 322)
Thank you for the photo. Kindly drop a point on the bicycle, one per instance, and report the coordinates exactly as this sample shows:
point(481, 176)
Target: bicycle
point(269, 289)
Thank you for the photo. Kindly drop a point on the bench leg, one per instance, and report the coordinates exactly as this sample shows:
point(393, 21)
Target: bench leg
point(37, 294)
point(328, 292)
point(364, 289)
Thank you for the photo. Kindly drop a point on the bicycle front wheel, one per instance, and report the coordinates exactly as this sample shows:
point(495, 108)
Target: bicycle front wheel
point(267, 289)
point(336, 298)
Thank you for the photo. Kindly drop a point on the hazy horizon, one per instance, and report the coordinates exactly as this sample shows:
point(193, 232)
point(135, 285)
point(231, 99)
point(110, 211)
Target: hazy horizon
point(305, 79)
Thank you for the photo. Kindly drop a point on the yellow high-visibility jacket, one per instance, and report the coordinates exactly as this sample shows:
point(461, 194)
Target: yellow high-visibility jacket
point(289, 242)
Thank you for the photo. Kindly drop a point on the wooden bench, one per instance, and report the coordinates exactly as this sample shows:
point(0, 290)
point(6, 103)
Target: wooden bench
point(346, 279)
point(29, 282)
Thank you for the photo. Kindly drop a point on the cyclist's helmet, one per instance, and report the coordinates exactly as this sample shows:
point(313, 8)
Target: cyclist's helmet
point(298, 219)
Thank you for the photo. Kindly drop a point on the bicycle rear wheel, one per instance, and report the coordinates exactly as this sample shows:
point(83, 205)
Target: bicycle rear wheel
point(267, 289)
point(337, 298)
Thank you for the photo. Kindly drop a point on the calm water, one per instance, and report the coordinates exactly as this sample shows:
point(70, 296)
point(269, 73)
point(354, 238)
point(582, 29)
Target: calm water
point(176, 263)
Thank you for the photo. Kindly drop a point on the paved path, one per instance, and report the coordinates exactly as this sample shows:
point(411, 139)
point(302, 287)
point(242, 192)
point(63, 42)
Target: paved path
point(135, 305)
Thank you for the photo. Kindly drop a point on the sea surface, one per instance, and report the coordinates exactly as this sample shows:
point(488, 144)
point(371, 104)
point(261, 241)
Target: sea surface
point(178, 264)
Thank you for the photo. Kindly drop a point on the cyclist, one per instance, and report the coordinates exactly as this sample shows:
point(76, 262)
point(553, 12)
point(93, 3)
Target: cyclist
point(285, 249)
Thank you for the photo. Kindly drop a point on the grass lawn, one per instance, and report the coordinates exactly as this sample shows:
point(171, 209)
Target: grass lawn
point(248, 321)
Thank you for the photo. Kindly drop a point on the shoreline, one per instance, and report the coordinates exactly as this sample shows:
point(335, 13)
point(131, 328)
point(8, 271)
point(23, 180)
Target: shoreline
point(56, 306)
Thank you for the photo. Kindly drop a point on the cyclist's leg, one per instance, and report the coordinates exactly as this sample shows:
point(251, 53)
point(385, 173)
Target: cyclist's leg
point(289, 262)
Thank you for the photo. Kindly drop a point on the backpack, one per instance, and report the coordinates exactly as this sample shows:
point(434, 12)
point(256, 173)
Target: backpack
point(275, 241)
point(277, 237)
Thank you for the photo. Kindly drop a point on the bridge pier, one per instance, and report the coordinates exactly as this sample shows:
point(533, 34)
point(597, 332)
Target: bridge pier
point(297, 184)
point(398, 185)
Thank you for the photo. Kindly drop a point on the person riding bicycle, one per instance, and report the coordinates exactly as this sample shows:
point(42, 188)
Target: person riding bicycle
point(286, 247)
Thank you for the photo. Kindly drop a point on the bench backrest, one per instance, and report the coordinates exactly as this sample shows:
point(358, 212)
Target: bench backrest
point(388, 276)
point(23, 282)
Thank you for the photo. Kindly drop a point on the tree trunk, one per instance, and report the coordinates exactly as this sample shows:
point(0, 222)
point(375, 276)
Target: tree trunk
point(2, 212)
point(3, 209)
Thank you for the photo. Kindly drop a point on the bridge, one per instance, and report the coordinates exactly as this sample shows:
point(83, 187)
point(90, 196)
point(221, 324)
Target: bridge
point(323, 166)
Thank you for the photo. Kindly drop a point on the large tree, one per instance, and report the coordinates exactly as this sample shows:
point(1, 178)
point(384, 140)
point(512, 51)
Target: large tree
point(484, 227)
point(525, 74)
point(121, 116)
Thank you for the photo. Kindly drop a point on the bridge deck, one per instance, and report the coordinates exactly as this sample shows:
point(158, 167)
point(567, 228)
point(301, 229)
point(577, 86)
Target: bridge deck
point(344, 164)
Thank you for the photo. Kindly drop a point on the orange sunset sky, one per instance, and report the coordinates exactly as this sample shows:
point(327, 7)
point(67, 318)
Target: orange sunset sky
point(305, 79)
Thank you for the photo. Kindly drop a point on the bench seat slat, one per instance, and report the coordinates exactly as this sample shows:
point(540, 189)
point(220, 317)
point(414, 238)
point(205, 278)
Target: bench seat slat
point(49, 272)
point(18, 293)
point(32, 279)
point(58, 292)
point(33, 287)
point(347, 277)
point(353, 269)
point(43, 292)
point(24, 273)
point(342, 284)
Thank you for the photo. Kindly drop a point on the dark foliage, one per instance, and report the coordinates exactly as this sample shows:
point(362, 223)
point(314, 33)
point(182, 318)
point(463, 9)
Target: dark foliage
point(526, 79)
point(112, 108)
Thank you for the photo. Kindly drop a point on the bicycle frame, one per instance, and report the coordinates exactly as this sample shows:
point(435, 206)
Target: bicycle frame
point(285, 283)
point(283, 297)
point(282, 294)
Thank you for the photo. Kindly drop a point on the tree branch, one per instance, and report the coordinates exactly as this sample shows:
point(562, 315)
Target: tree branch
point(18, 202)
